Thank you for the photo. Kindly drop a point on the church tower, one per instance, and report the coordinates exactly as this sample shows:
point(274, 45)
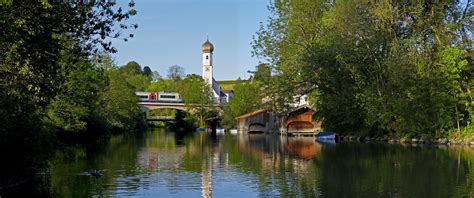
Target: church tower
point(207, 49)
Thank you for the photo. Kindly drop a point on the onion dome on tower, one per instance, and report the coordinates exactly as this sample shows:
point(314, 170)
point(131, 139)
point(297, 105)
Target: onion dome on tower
point(207, 47)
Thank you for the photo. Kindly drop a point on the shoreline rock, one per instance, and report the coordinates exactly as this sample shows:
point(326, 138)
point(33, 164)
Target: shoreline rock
point(412, 141)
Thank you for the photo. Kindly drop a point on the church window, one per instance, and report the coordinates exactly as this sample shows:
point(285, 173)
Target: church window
point(207, 57)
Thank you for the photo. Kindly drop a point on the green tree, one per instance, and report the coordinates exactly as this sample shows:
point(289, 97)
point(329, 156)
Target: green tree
point(263, 73)
point(134, 76)
point(35, 32)
point(175, 72)
point(119, 102)
point(156, 76)
point(246, 98)
point(132, 67)
point(164, 85)
point(147, 71)
point(94, 98)
point(197, 96)
point(76, 105)
point(374, 68)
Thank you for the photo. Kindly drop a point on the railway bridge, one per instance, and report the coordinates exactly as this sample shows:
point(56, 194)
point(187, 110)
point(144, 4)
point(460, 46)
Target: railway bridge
point(148, 106)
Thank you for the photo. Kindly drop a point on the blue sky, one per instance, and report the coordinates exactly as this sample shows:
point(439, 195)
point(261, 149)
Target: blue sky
point(171, 32)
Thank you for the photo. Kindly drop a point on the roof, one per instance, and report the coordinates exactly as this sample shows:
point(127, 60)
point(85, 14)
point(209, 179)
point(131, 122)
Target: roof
point(207, 46)
point(213, 118)
point(215, 86)
point(251, 114)
point(227, 91)
point(292, 112)
point(302, 107)
point(222, 94)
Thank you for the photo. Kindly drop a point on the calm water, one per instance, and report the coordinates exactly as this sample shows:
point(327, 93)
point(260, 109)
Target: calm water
point(160, 164)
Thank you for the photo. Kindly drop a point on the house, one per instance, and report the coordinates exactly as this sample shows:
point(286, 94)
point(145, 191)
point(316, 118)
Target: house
point(259, 121)
point(300, 121)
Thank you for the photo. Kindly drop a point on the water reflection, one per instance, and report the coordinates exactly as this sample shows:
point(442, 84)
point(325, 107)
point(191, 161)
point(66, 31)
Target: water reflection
point(164, 164)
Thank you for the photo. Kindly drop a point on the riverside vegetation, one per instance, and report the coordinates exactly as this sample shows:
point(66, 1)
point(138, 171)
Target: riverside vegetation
point(58, 80)
point(377, 69)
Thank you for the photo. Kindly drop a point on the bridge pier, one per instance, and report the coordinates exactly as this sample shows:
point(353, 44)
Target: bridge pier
point(212, 123)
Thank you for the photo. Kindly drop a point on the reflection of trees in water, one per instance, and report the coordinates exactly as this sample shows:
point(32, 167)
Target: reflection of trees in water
point(115, 156)
point(23, 153)
point(293, 167)
point(396, 170)
point(302, 148)
point(464, 157)
point(282, 164)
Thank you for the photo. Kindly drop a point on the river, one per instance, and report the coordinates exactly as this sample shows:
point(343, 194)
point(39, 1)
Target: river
point(163, 164)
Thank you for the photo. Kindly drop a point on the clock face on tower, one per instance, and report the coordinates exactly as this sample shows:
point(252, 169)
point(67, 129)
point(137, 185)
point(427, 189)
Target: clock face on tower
point(207, 68)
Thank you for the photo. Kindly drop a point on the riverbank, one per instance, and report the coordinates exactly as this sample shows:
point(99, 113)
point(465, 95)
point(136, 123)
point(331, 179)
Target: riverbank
point(397, 140)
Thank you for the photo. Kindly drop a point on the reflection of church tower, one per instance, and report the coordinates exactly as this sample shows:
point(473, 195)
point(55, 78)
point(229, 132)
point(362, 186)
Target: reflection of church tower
point(206, 179)
point(207, 73)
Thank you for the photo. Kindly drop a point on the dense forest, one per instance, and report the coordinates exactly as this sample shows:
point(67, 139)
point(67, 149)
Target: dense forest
point(375, 68)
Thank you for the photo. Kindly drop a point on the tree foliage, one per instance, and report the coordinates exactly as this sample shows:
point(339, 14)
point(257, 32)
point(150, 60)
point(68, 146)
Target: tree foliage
point(197, 96)
point(147, 71)
point(262, 73)
point(132, 67)
point(175, 72)
point(134, 75)
point(246, 98)
point(97, 98)
point(35, 32)
point(48, 81)
point(385, 67)
point(44, 55)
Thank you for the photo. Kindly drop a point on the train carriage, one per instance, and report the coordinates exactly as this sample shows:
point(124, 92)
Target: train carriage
point(171, 97)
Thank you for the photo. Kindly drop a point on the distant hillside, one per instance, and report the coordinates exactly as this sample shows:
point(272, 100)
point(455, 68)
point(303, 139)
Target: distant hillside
point(228, 84)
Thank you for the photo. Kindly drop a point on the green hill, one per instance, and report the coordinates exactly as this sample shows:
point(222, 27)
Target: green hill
point(228, 84)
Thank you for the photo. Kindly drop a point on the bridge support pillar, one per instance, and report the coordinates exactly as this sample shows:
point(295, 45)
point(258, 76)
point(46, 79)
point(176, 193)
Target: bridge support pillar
point(212, 123)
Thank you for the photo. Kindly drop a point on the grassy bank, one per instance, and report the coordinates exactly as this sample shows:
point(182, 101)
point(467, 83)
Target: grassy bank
point(228, 84)
point(458, 138)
